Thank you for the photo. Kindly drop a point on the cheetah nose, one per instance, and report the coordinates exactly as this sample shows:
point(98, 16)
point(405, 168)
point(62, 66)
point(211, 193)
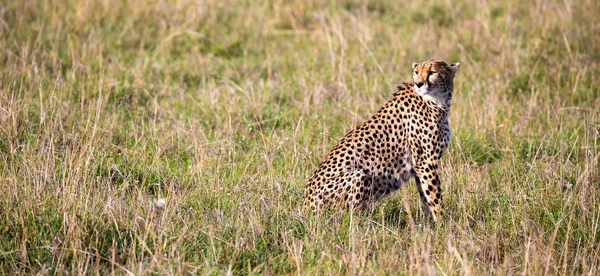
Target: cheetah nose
point(419, 84)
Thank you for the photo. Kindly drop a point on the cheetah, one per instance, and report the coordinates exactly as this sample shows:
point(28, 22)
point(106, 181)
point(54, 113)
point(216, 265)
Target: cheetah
point(406, 137)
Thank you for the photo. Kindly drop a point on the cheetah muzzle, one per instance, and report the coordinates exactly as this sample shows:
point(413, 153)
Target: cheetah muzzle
point(406, 138)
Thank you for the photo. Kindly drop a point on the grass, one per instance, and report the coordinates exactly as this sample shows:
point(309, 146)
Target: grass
point(224, 108)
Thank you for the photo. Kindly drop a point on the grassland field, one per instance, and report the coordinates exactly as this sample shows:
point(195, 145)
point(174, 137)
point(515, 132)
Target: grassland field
point(176, 137)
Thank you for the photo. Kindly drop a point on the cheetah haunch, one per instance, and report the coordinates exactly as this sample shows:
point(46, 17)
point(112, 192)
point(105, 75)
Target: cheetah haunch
point(406, 137)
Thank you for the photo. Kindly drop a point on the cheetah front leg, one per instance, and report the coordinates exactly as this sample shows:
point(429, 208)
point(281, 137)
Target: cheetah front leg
point(430, 191)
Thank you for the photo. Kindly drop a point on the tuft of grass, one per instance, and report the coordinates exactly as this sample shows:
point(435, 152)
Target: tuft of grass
point(175, 137)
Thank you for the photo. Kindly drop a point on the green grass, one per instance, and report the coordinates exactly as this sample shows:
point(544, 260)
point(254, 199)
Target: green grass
point(225, 108)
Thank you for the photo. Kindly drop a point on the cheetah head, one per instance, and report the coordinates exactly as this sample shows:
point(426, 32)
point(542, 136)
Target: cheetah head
point(434, 80)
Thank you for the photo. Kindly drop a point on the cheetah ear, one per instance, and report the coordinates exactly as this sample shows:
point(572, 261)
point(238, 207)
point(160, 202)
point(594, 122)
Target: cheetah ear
point(454, 67)
point(415, 65)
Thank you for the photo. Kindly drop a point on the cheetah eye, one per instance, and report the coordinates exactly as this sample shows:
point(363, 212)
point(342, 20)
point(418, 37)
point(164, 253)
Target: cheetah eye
point(415, 72)
point(432, 72)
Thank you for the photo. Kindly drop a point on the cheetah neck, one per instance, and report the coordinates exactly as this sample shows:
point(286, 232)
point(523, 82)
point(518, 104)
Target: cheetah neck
point(441, 101)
